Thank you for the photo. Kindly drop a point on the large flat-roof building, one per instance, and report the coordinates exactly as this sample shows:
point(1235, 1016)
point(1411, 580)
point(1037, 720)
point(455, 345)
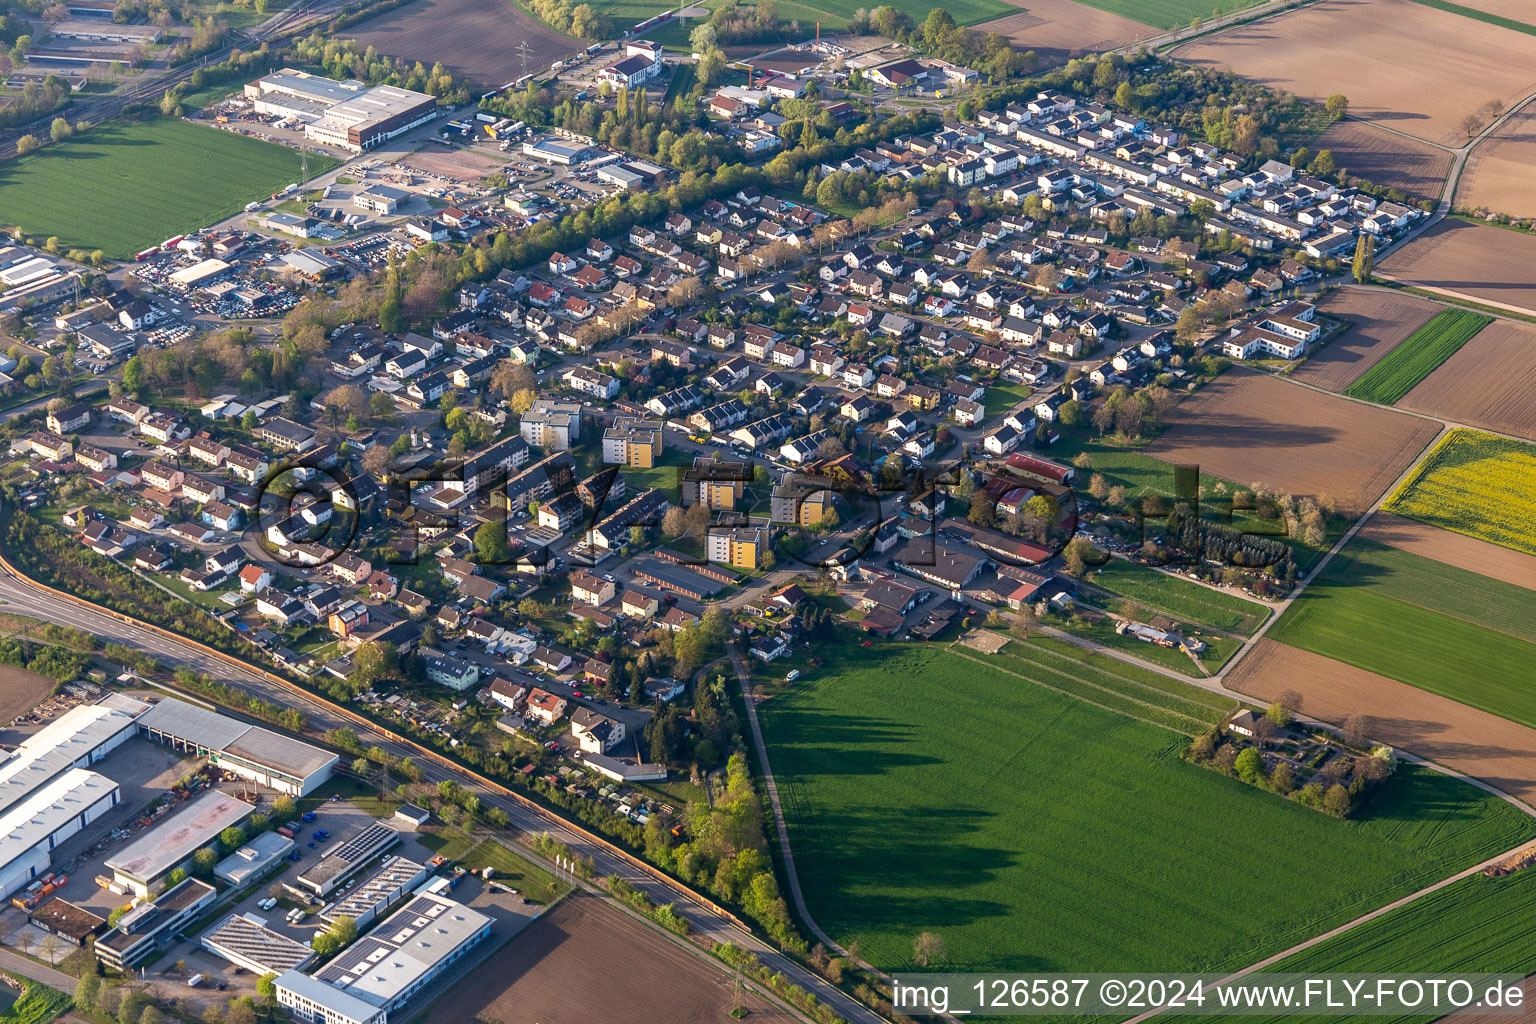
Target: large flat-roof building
point(382, 970)
point(77, 739)
point(32, 827)
point(143, 864)
point(378, 892)
point(268, 758)
point(252, 859)
point(349, 115)
point(246, 941)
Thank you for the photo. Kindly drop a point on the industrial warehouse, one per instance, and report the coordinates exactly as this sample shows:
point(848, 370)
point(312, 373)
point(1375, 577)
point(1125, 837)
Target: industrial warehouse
point(349, 115)
point(261, 755)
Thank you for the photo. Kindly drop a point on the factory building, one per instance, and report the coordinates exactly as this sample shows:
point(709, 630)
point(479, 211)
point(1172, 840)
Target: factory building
point(265, 757)
point(382, 970)
point(142, 865)
point(246, 941)
point(348, 115)
point(78, 738)
point(34, 826)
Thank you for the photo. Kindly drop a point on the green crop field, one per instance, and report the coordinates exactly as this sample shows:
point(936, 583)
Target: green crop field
point(1477, 484)
point(1478, 925)
point(125, 186)
point(1460, 593)
point(1179, 597)
point(1036, 832)
point(1347, 615)
point(1168, 13)
point(1417, 356)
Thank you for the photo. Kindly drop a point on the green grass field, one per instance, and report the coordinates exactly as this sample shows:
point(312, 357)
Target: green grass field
point(999, 398)
point(1168, 13)
point(1417, 356)
point(1477, 925)
point(126, 186)
point(1422, 623)
point(1179, 597)
point(1477, 484)
point(1036, 832)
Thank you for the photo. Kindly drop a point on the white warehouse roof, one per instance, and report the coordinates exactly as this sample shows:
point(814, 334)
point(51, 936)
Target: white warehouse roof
point(56, 747)
point(49, 809)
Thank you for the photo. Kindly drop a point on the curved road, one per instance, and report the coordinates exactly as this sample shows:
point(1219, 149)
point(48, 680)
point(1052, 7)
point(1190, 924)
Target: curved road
point(19, 596)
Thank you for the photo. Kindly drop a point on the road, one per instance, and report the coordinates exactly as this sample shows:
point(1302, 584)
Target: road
point(19, 596)
point(18, 964)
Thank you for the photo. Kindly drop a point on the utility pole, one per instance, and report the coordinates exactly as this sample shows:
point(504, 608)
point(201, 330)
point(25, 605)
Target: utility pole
point(524, 51)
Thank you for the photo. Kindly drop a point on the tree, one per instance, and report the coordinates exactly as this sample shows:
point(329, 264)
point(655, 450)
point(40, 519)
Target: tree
point(1283, 778)
point(266, 986)
point(86, 991)
point(284, 807)
point(27, 144)
point(1357, 728)
point(1323, 164)
point(1336, 801)
point(928, 948)
point(60, 129)
point(232, 837)
point(204, 860)
point(1364, 262)
point(1250, 765)
point(1337, 104)
point(241, 1011)
point(1279, 714)
point(1076, 555)
point(491, 545)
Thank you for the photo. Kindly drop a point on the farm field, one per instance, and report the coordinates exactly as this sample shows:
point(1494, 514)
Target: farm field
point(1253, 428)
point(23, 691)
point(1020, 823)
point(1399, 62)
point(1354, 613)
point(1379, 321)
point(1058, 30)
point(1179, 597)
point(1478, 924)
point(1477, 556)
point(1492, 13)
point(1416, 168)
point(1167, 14)
point(128, 185)
point(1498, 169)
point(1489, 383)
point(1415, 579)
point(544, 975)
point(1484, 746)
point(1475, 261)
point(1477, 484)
point(1417, 356)
point(472, 39)
point(1108, 682)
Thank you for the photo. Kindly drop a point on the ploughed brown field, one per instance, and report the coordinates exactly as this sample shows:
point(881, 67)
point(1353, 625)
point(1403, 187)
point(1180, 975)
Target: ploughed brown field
point(552, 973)
point(1490, 382)
point(476, 39)
point(1474, 742)
point(1058, 30)
point(1498, 171)
point(21, 691)
point(1387, 159)
point(1404, 65)
point(1252, 428)
point(1475, 261)
point(1379, 320)
point(1479, 556)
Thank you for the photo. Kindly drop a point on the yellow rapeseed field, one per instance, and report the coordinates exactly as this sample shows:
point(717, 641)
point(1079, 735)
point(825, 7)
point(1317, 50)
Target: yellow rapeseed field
point(1477, 484)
